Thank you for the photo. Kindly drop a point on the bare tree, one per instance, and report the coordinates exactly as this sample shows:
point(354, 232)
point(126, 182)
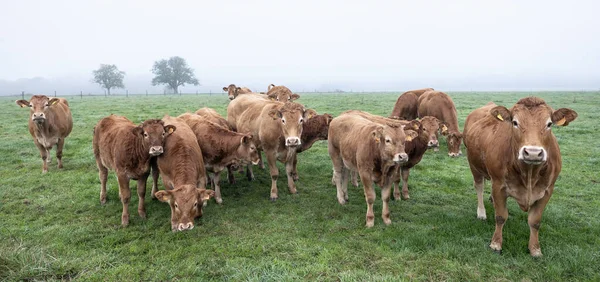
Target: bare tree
point(109, 76)
point(174, 72)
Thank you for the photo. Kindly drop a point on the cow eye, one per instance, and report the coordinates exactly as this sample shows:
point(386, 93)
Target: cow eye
point(388, 141)
point(30, 105)
point(176, 205)
point(515, 123)
point(301, 120)
point(46, 105)
point(549, 124)
point(195, 204)
point(146, 134)
point(283, 121)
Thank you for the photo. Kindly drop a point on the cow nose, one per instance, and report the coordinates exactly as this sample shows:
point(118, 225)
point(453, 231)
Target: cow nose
point(183, 226)
point(156, 150)
point(231, 97)
point(292, 141)
point(532, 154)
point(38, 116)
point(401, 158)
point(432, 143)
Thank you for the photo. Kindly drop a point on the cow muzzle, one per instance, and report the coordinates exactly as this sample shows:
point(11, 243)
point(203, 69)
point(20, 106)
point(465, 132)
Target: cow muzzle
point(38, 117)
point(231, 98)
point(533, 155)
point(183, 226)
point(433, 144)
point(292, 141)
point(453, 155)
point(156, 150)
point(401, 158)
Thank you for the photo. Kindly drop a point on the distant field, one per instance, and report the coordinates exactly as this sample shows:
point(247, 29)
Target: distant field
point(53, 227)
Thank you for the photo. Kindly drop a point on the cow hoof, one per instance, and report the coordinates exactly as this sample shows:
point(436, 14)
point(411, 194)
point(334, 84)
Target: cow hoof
point(405, 197)
point(387, 221)
point(219, 201)
point(536, 253)
point(273, 199)
point(370, 224)
point(45, 171)
point(342, 202)
point(142, 214)
point(497, 248)
point(103, 202)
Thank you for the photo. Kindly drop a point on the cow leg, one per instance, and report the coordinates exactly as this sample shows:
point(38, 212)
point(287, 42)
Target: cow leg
point(261, 164)
point(44, 155)
point(217, 188)
point(385, 198)
point(249, 172)
point(369, 197)
point(125, 195)
point(534, 219)
point(154, 168)
point(289, 170)
point(59, 152)
point(499, 196)
point(103, 175)
point(338, 176)
point(405, 173)
point(230, 175)
point(295, 170)
point(141, 191)
point(478, 182)
point(354, 178)
point(272, 161)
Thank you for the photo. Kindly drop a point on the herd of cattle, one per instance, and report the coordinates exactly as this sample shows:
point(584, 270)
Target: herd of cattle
point(514, 148)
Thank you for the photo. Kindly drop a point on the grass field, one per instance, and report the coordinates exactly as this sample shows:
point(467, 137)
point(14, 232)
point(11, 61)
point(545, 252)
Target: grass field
point(52, 225)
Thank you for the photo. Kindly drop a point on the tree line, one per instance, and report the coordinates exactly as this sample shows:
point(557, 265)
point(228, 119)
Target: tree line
point(173, 72)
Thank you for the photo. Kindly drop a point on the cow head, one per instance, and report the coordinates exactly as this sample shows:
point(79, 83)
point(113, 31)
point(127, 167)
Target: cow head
point(319, 124)
point(431, 126)
point(232, 91)
point(39, 106)
point(454, 138)
point(531, 120)
point(154, 133)
point(186, 204)
point(390, 142)
point(281, 94)
point(247, 149)
point(291, 117)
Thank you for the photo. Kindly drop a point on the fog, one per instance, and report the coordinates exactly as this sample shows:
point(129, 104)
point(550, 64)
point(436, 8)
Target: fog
point(48, 46)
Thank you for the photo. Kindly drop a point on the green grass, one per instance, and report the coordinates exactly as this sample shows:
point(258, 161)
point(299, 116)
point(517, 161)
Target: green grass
point(53, 227)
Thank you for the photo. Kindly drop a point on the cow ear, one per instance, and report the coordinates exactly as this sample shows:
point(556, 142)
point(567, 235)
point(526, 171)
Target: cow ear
point(225, 89)
point(204, 194)
point(163, 196)
point(272, 97)
point(275, 113)
point(377, 134)
point(170, 129)
point(53, 101)
point(414, 124)
point(410, 135)
point(138, 130)
point(270, 86)
point(501, 113)
point(443, 128)
point(294, 97)
point(563, 116)
point(246, 139)
point(310, 113)
point(329, 118)
point(238, 88)
point(22, 103)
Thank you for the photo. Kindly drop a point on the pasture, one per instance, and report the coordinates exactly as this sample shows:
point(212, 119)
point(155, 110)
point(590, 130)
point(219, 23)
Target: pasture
point(52, 225)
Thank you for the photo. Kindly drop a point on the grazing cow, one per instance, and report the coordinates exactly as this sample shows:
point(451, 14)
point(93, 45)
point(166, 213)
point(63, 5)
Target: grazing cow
point(407, 104)
point(517, 151)
point(313, 130)
point(233, 91)
point(221, 147)
point(184, 176)
point(276, 128)
point(439, 104)
point(281, 93)
point(50, 122)
point(356, 143)
point(127, 149)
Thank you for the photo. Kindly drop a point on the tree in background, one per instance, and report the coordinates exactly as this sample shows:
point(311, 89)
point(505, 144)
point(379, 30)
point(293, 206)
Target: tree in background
point(109, 76)
point(174, 72)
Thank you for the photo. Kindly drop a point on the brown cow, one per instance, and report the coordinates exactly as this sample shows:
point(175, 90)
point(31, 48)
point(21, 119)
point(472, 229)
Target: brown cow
point(50, 122)
point(184, 176)
point(276, 127)
point(313, 130)
point(517, 151)
point(220, 147)
point(373, 149)
point(407, 104)
point(281, 93)
point(127, 149)
point(233, 91)
point(439, 104)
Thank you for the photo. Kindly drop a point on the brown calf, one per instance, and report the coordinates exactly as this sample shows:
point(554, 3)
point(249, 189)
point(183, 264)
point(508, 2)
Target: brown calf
point(407, 104)
point(221, 147)
point(122, 146)
point(50, 122)
point(233, 91)
point(313, 130)
point(184, 176)
point(356, 143)
point(276, 127)
point(517, 151)
point(281, 93)
point(439, 104)
point(212, 115)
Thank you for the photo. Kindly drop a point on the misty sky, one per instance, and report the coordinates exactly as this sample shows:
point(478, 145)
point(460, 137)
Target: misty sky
point(373, 45)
